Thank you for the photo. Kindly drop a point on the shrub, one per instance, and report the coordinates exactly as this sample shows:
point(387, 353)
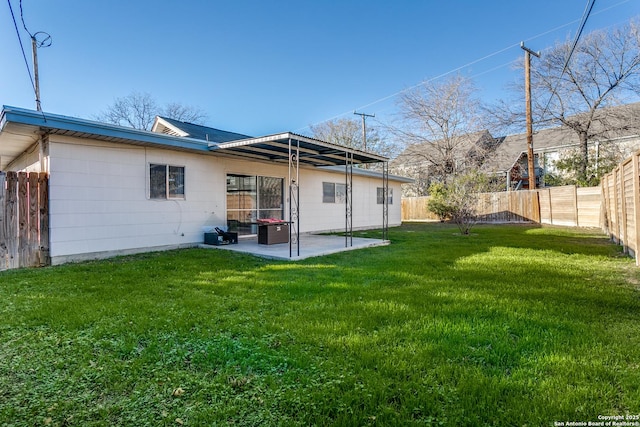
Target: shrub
point(457, 199)
point(438, 201)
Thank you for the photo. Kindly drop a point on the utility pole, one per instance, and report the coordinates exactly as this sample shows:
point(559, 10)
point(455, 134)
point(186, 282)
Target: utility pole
point(364, 128)
point(35, 44)
point(527, 89)
point(34, 48)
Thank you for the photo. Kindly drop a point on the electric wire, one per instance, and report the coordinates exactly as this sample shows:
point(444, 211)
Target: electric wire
point(22, 19)
point(586, 14)
point(24, 55)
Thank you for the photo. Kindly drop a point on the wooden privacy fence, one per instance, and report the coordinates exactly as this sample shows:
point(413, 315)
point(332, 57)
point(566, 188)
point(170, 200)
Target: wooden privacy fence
point(621, 200)
point(415, 209)
point(569, 205)
point(512, 206)
point(24, 219)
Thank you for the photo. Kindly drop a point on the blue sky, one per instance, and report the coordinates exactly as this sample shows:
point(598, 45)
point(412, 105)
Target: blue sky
point(261, 67)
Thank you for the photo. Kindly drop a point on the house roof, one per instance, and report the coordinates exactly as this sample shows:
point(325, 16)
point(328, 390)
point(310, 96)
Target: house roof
point(461, 146)
point(311, 151)
point(367, 172)
point(273, 148)
point(507, 154)
point(622, 120)
point(21, 128)
point(170, 126)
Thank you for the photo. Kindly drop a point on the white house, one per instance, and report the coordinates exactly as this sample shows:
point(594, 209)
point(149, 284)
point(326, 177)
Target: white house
point(116, 190)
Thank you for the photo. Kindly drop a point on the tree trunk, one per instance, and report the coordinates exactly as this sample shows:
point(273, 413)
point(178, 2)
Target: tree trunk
point(584, 161)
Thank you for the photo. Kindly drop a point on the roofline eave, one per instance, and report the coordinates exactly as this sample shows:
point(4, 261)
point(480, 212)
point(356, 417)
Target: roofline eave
point(53, 122)
point(290, 135)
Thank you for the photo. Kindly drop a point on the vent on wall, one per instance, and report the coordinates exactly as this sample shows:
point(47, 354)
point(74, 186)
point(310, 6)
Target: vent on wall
point(161, 126)
point(168, 131)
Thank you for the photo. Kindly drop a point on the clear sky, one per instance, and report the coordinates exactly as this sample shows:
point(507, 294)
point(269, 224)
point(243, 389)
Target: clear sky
point(260, 67)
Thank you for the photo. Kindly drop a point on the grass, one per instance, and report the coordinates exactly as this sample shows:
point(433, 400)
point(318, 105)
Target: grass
point(514, 325)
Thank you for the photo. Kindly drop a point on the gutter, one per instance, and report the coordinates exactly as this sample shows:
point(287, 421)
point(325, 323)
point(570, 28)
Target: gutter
point(53, 122)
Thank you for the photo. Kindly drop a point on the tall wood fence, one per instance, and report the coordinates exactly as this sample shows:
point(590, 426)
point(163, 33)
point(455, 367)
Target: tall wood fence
point(24, 219)
point(569, 205)
point(621, 199)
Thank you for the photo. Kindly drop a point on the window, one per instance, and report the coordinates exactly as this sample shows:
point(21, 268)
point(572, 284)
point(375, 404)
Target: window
point(328, 192)
point(334, 192)
point(166, 182)
point(380, 196)
point(250, 198)
point(270, 197)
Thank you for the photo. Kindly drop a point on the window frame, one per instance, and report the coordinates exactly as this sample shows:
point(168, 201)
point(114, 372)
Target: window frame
point(166, 193)
point(380, 195)
point(339, 192)
point(258, 194)
point(326, 196)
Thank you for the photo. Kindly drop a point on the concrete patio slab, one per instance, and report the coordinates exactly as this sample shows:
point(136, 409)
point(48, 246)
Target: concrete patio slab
point(311, 245)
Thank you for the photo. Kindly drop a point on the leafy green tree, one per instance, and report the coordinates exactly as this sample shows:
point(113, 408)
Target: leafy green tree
point(600, 162)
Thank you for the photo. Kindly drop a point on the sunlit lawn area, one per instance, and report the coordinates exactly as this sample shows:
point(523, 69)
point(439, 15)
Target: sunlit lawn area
point(513, 325)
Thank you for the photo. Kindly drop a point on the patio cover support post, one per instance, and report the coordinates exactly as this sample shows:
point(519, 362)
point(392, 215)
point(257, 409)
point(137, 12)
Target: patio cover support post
point(294, 198)
point(348, 220)
point(385, 202)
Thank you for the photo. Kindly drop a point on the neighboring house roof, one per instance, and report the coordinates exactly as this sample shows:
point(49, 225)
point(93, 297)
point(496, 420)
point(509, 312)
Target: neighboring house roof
point(623, 120)
point(508, 153)
point(170, 126)
point(462, 146)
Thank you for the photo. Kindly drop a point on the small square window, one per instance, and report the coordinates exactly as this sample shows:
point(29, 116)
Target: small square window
point(334, 193)
point(341, 193)
point(380, 196)
point(328, 192)
point(176, 182)
point(166, 182)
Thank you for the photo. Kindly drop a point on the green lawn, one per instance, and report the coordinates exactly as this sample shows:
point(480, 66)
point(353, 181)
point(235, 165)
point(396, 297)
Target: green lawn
point(513, 325)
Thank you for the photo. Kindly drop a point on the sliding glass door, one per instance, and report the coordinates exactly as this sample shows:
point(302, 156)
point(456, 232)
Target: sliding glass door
point(250, 198)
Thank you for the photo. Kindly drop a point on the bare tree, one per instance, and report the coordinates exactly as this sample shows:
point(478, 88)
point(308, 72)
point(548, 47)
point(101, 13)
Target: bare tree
point(602, 68)
point(184, 113)
point(138, 110)
point(343, 132)
point(440, 125)
point(603, 71)
point(348, 133)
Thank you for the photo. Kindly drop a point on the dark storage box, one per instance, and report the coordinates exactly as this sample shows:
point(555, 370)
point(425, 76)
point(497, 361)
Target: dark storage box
point(217, 240)
point(271, 234)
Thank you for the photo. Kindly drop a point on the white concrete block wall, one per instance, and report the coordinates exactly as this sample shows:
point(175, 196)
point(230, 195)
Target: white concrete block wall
point(100, 206)
point(319, 216)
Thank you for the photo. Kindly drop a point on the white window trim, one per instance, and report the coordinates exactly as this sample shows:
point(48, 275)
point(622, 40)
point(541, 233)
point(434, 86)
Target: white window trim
point(167, 196)
point(336, 200)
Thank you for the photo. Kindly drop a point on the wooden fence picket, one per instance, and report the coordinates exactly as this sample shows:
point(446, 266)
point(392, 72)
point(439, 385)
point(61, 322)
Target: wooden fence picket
point(24, 220)
point(3, 223)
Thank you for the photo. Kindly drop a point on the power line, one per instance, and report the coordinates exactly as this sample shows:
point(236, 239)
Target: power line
point(24, 55)
point(585, 16)
point(393, 95)
point(22, 19)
